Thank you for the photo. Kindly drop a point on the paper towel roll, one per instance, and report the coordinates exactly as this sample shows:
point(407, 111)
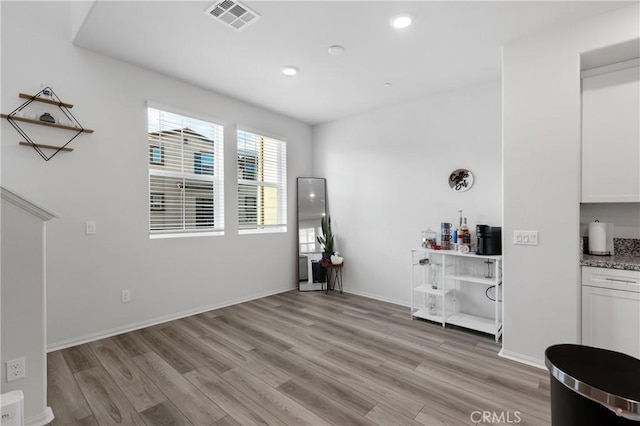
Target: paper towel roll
point(601, 238)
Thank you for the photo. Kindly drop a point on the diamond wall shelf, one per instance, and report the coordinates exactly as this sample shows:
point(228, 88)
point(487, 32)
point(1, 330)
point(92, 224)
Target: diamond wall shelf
point(45, 96)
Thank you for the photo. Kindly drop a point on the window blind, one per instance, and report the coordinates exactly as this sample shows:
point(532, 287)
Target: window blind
point(262, 183)
point(186, 190)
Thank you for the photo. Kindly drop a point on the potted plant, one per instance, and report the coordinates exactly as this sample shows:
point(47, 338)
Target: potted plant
point(326, 240)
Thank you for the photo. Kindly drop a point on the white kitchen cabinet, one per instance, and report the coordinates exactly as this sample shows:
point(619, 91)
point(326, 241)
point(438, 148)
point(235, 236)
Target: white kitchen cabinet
point(435, 279)
point(611, 309)
point(611, 136)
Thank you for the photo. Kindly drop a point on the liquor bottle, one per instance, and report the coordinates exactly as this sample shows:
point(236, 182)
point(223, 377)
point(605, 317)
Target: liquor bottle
point(466, 234)
point(456, 232)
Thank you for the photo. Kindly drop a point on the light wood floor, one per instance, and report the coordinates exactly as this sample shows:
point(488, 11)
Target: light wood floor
point(294, 358)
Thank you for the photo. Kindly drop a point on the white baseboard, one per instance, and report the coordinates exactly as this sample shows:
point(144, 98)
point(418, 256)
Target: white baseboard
point(41, 419)
point(75, 341)
point(523, 359)
point(376, 297)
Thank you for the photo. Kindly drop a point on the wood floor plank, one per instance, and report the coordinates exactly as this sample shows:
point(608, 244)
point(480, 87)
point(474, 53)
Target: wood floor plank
point(383, 416)
point(479, 365)
point(290, 300)
point(196, 350)
point(63, 392)
point(223, 330)
point(435, 356)
point(164, 413)
point(463, 399)
point(307, 374)
point(253, 333)
point(373, 390)
point(346, 345)
point(336, 320)
point(421, 391)
point(429, 417)
point(227, 421)
point(282, 314)
point(86, 421)
point(132, 343)
point(340, 306)
point(285, 331)
point(503, 397)
point(323, 406)
point(505, 366)
point(80, 358)
point(109, 405)
point(247, 360)
point(295, 358)
point(139, 390)
point(231, 400)
point(270, 301)
point(280, 405)
point(194, 404)
point(191, 326)
point(384, 322)
point(399, 353)
point(167, 351)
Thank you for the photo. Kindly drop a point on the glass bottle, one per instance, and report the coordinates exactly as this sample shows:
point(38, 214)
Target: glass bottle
point(429, 238)
point(445, 236)
point(466, 234)
point(456, 232)
point(432, 305)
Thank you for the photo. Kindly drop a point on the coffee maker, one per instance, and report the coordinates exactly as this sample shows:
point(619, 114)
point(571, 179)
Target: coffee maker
point(489, 240)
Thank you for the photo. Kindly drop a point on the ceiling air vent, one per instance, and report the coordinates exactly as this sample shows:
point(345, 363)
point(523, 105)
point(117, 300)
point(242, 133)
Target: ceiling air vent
point(232, 13)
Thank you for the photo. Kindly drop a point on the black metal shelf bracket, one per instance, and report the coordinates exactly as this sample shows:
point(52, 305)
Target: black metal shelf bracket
point(61, 106)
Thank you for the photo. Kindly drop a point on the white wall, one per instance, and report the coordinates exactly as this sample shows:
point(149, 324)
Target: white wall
point(106, 180)
point(541, 122)
point(387, 174)
point(23, 302)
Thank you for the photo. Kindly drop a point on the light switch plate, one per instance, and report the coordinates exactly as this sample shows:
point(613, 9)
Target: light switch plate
point(90, 228)
point(527, 238)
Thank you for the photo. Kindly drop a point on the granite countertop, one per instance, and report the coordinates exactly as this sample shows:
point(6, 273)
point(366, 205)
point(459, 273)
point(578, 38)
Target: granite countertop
point(626, 255)
point(626, 262)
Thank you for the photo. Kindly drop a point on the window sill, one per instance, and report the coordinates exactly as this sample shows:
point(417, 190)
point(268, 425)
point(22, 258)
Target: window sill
point(274, 230)
point(185, 235)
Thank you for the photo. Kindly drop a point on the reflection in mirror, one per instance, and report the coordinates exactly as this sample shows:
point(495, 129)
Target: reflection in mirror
point(312, 206)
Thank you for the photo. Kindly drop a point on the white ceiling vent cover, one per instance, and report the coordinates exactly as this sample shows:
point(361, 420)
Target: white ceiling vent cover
point(232, 13)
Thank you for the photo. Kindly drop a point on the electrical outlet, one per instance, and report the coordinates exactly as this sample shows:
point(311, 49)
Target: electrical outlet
point(16, 369)
point(90, 228)
point(125, 296)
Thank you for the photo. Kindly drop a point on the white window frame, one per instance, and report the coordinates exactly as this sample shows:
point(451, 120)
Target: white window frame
point(280, 185)
point(217, 179)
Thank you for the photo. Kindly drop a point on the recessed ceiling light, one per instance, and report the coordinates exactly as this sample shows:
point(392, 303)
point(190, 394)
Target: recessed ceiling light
point(401, 21)
point(289, 70)
point(387, 84)
point(336, 50)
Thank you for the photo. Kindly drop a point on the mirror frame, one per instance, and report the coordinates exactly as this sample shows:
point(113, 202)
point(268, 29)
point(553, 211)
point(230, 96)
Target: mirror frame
point(308, 284)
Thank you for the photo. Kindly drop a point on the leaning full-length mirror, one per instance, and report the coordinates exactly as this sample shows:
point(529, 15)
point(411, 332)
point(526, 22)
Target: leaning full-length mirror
point(312, 206)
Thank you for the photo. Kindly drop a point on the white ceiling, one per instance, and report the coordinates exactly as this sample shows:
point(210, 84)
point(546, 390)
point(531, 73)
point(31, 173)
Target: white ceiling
point(450, 44)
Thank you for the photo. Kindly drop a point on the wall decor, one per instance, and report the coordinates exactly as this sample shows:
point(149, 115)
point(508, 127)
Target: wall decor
point(48, 97)
point(461, 180)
